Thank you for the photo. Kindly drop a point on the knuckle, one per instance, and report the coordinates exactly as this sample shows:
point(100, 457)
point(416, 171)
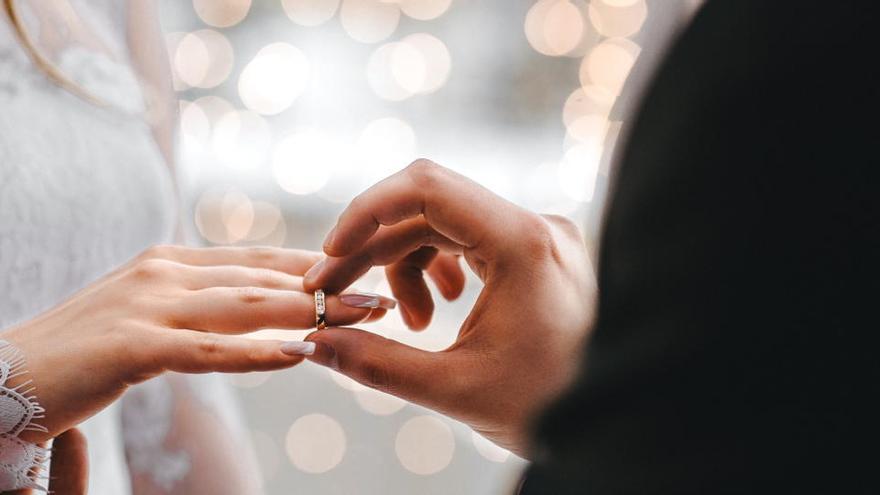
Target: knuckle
point(563, 223)
point(538, 239)
point(160, 251)
point(263, 277)
point(250, 295)
point(264, 253)
point(424, 172)
point(151, 269)
point(210, 345)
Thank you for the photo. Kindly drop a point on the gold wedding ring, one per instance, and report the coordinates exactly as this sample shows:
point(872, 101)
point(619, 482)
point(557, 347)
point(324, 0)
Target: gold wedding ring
point(320, 310)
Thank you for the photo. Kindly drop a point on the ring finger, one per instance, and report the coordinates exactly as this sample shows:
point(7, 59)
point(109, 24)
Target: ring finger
point(245, 309)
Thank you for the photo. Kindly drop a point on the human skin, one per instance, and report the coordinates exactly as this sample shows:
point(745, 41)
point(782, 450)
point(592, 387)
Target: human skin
point(520, 344)
point(170, 309)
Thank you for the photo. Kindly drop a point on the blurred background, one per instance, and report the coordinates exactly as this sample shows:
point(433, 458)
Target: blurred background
point(289, 108)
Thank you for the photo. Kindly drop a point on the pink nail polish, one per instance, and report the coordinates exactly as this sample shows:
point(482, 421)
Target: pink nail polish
point(360, 300)
point(298, 348)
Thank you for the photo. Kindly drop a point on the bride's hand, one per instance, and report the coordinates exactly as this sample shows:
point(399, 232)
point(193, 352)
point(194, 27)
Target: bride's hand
point(171, 309)
point(520, 344)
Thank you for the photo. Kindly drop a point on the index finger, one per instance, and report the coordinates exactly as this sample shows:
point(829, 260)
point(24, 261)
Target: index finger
point(452, 204)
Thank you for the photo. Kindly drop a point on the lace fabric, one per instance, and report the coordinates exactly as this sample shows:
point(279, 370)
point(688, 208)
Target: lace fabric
point(20, 462)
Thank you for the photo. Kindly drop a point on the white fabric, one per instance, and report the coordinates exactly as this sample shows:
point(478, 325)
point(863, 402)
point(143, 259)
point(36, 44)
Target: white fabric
point(20, 462)
point(82, 190)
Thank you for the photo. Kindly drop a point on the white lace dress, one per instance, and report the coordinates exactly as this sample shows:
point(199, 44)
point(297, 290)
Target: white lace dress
point(82, 190)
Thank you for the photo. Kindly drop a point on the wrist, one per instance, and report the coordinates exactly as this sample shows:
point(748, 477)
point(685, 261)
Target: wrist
point(20, 414)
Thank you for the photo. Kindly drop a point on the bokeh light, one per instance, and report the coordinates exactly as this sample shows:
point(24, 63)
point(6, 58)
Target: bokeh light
point(274, 79)
point(237, 213)
point(316, 443)
point(385, 146)
point(284, 120)
point(587, 100)
point(369, 21)
point(310, 12)
point(378, 403)
point(203, 58)
point(222, 13)
point(609, 64)
point(436, 60)
point(241, 140)
point(619, 3)
point(425, 445)
point(618, 20)
point(382, 78)
point(578, 171)
point(555, 27)
point(172, 43)
point(424, 10)
point(419, 63)
point(303, 162)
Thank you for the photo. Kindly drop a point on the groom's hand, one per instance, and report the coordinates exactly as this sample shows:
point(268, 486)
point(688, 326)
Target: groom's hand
point(518, 347)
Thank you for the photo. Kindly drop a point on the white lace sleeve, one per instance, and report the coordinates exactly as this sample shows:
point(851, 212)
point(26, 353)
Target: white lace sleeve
point(183, 435)
point(20, 462)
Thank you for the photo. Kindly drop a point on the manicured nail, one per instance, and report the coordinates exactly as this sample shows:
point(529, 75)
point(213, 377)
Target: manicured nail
point(298, 348)
point(360, 300)
point(315, 270)
point(367, 300)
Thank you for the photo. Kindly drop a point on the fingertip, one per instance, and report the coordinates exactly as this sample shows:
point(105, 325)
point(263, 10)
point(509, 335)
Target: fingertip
point(415, 320)
point(450, 292)
point(376, 315)
point(325, 353)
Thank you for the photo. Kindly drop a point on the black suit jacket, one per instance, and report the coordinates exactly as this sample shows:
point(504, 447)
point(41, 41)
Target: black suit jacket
point(736, 343)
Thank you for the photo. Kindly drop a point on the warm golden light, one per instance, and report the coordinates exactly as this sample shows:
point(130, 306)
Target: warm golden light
point(274, 79)
point(315, 443)
point(369, 21)
point(424, 10)
point(578, 171)
point(310, 12)
point(203, 58)
point(554, 27)
point(425, 445)
point(618, 20)
point(608, 65)
point(378, 403)
point(436, 58)
point(222, 13)
point(241, 140)
point(589, 100)
point(300, 162)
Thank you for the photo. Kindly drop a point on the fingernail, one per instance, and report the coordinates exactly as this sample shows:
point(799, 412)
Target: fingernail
point(329, 239)
point(360, 300)
point(315, 270)
point(298, 348)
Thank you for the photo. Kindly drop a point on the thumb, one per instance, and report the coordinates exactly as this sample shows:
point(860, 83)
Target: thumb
point(423, 377)
point(69, 473)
